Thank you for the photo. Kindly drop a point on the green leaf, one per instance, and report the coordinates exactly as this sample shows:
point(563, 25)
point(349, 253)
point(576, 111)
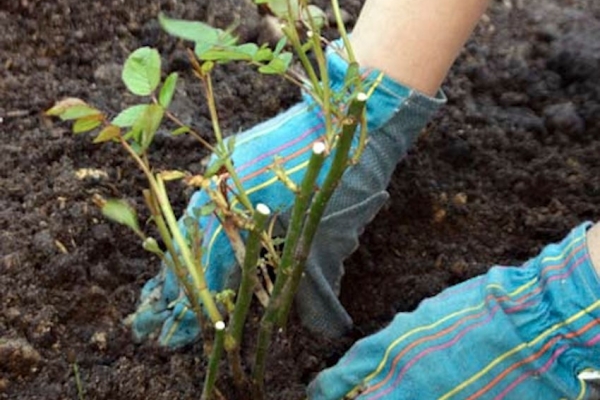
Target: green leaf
point(109, 133)
point(79, 111)
point(168, 89)
point(280, 8)
point(277, 65)
point(86, 124)
point(151, 245)
point(172, 175)
point(263, 54)
point(352, 74)
point(224, 55)
point(189, 223)
point(194, 31)
point(207, 66)
point(147, 125)
point(317, 15)
point(280, 45)
point(128, 116)
point(231, 144)
point(205, 210)
point(181, 130)
point(215, 167)
point(141, 72)
point(120, 212)
point(137, 148)
point(249, 49)
point(205, 36)
point(134, 133)
point(61, 106)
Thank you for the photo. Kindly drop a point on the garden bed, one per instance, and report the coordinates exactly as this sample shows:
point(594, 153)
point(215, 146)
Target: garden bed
point(511, 163)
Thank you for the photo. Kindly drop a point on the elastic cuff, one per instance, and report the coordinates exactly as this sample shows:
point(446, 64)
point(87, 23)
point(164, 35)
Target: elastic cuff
point(572, 294)
point(389, 95)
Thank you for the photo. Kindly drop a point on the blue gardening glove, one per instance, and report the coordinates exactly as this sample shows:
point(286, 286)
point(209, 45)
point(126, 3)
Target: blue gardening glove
point(514, 333)
point(395, 115)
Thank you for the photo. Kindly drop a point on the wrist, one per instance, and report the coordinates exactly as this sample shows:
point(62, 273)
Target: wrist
point(593, 246)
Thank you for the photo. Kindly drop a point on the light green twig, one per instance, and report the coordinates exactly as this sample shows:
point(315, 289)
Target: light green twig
point(213, 362)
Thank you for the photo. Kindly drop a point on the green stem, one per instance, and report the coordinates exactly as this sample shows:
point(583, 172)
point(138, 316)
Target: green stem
point(244, 295)
point(248, 283)
point(78, 383)
point(197, 275)
point(317, 209)
point(315, 36)
point(213, 362)
point(290, 31)
point(173, 261)
point(195, 134)
point(262, 347)
point(160, 196)
point(221, 148)
point(298, 213)
point(307, 188)
point(342, 30)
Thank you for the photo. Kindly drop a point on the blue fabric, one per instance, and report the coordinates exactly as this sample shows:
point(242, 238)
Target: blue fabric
point(513, 333)
point(395, 115)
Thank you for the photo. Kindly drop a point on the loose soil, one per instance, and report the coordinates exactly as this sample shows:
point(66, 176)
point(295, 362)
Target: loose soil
point(511, 163)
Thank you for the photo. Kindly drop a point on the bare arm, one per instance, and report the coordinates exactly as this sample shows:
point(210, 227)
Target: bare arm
point(593, 244)
point(414, 41)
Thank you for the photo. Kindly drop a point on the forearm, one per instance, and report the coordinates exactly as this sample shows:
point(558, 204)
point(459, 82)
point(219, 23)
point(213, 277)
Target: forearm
point(593, 245)
point(414, 41)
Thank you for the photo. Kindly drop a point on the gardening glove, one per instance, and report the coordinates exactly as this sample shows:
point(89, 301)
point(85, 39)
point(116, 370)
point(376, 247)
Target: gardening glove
point(395, 114)
point(515, 333)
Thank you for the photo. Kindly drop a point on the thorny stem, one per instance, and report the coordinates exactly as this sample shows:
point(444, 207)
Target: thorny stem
point(301, 204)
point(195, 134)
point(155, 209)
point(244, 295)
point(315, 36)
point(292, 35)
point(197, 275)
point(213, 361)
point(317, 209)
point(177, 121)
point(335, 5)
point(248, 282)
point(262, 347)
point(173, 262)
point(157, 187)
point(293, 234)
point(243, 197)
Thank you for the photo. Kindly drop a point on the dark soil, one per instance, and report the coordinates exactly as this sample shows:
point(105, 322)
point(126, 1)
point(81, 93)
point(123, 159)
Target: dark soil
point(510, 164)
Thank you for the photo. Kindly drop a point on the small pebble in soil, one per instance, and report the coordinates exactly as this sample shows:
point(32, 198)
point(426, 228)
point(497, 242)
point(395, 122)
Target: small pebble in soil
point(99, 339)
point(43, 242)
point(563, 118)
point(18, 356)
point(459, 199)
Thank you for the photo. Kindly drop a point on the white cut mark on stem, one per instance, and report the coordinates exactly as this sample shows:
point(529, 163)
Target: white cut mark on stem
point(219, 325)
point(263, 209)
point(589, 375)
point(264, 288)
point(319, 148)
point(362, 97)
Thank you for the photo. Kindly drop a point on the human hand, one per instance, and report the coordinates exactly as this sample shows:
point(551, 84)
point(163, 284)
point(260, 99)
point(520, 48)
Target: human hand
point(515, 333)
point(395, 115)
